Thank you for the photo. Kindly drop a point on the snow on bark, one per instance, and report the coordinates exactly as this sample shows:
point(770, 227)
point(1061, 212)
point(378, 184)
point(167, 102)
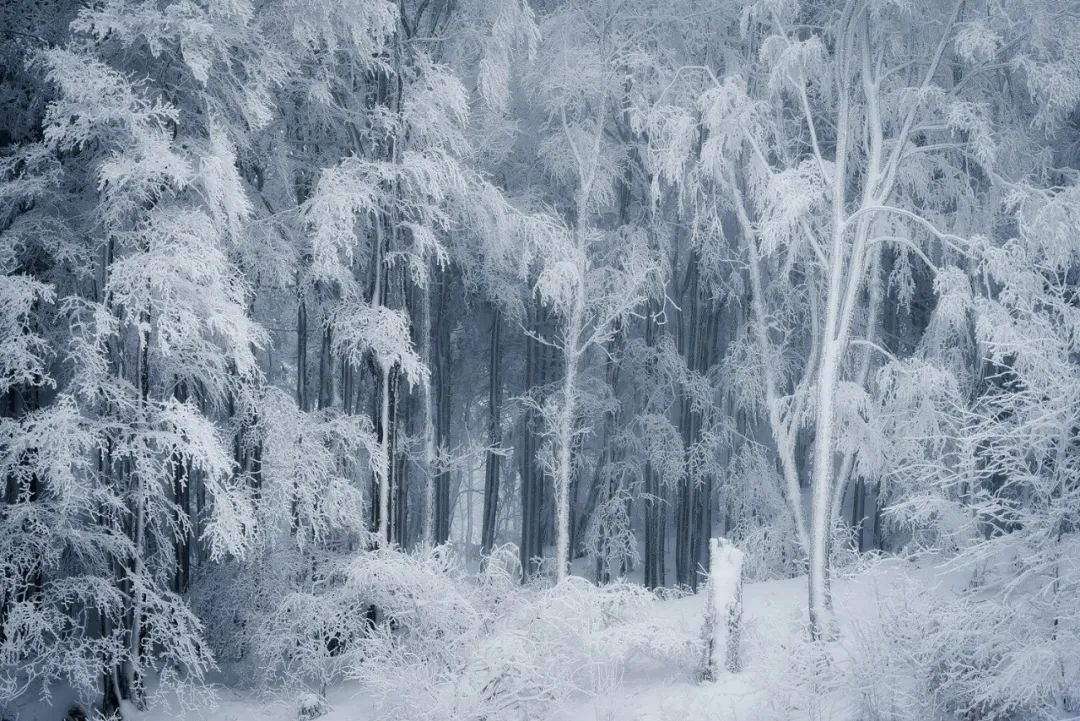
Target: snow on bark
point(723, 608)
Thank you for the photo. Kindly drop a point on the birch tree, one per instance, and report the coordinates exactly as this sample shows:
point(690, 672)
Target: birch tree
point(828, 143)
point(594, 279)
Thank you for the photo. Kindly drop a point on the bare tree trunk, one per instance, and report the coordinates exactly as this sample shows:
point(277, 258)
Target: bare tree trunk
point(428, 533)
point(182, 500)
point(493, 460)
point(545, 497)
point(399, 502)
point(651, 571)
point(131, 678)
point(703, 527)
point(686, 505)
point(653, 504)
point(467, 478)
point(564, 436)
point(326, 369)
point(301, 351)
point(383, 518)
point(441, 373)
point(347, 391)
point(526, 461)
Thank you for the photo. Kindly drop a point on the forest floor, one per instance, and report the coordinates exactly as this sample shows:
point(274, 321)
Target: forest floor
point(774, 634)
point(766, 686)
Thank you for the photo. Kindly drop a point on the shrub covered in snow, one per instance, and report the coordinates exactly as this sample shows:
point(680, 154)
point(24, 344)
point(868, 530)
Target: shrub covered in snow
point(933, 655)
point(432, 643)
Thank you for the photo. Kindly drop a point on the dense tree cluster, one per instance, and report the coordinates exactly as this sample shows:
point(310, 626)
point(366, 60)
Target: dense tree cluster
point(290, 284)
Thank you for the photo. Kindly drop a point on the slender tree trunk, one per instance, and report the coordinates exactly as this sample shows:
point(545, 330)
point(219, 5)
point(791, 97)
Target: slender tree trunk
point(441, 372)
point(525, 459)
point(131, 672)
point(467, 477)
point(785, 434)
point(384, 472)
point(651, 570)
point(346, 387)
point(879, 540)
point(653, 504)
point(822, 481)
point(493, 460)
point(859, 503)
point(428, 533)
point(545, 500)
point(182, 500)
point(703, 525)
point(399, 502)
point(689, 328)
point(301, 352)
point(326, 369)
point(564, 436)
point(827, 378)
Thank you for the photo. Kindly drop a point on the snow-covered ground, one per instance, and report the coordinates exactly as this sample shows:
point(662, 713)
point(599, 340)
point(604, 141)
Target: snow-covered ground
point(774, 617)
point(774, 614)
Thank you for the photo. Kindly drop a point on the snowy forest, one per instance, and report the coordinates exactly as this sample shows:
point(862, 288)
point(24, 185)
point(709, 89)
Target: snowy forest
point(513, 360)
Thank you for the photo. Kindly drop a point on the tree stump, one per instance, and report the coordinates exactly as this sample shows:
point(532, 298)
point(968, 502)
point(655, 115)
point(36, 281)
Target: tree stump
point(723, 608)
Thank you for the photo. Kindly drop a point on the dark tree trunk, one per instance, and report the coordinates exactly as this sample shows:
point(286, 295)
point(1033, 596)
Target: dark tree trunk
point(398, 489)
point(528, 513)
point(301, 353)
point(326, 370)
point(441, 378)
point(182, 499)
point(605, 485)
point(493, 460)
point(654, 510)
point(703, 526)
point(531, 483)
point(688, 421)
point(858, 511)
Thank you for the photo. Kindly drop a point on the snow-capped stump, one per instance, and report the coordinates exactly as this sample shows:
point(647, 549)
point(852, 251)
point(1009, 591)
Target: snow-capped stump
point(311, 707)
point(723, 608)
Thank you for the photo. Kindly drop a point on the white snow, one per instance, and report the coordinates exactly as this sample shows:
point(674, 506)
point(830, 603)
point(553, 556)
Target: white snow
point(774, 624)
